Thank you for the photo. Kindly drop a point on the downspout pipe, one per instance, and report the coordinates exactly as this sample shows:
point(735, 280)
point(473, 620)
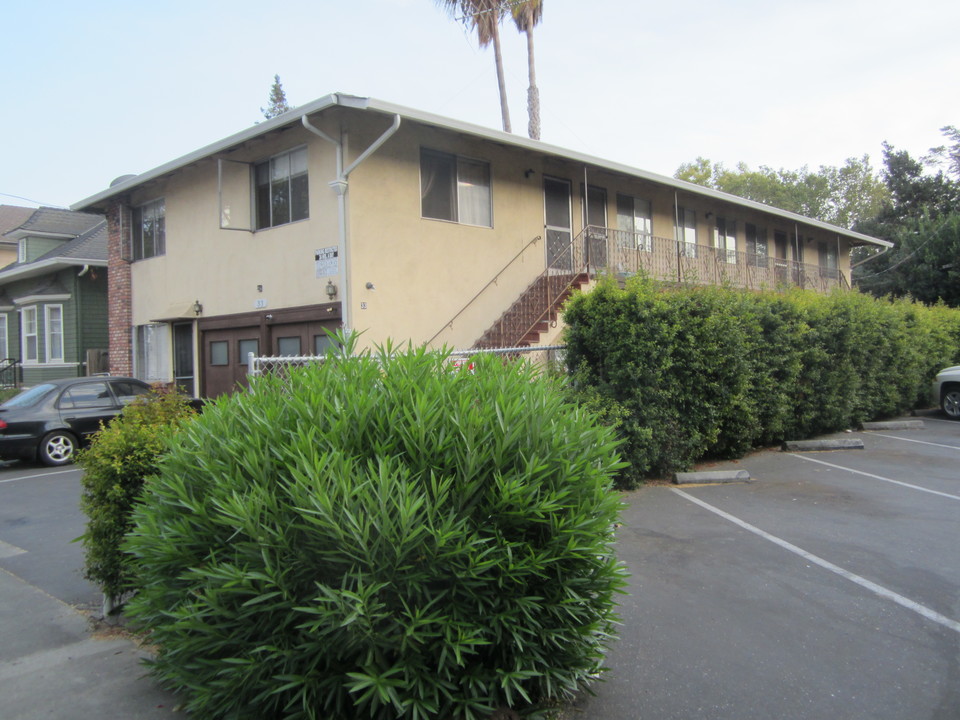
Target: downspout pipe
point(340, 185)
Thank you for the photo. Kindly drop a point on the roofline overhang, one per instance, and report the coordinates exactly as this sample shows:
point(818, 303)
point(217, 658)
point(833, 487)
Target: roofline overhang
point(44, 267)
point(20, 233)
point(418, 116)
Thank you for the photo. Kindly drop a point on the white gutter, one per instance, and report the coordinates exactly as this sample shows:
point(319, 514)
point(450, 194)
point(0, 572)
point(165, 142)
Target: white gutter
point(44, 266)
point(340, 185)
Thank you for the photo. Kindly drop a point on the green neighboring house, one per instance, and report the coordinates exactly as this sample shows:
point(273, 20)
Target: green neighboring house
point(53, 299)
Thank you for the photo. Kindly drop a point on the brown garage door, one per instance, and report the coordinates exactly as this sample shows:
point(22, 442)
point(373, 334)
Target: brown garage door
point(227, 340)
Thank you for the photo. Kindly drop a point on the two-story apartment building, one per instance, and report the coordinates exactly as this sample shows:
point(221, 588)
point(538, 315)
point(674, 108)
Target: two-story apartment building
point(352, 212)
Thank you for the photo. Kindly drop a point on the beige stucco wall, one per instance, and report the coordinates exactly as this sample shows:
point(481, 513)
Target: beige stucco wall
point(222, 268)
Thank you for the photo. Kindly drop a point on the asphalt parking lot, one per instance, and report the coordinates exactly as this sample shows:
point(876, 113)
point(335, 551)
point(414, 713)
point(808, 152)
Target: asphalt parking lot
point(828, 586)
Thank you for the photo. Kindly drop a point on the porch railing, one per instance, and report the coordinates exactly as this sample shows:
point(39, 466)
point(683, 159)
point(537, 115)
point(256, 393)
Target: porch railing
point(11, 375)
point(623, 252)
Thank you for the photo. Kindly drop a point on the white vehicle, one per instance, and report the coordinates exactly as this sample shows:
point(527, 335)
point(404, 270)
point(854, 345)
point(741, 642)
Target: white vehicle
point(946, 391)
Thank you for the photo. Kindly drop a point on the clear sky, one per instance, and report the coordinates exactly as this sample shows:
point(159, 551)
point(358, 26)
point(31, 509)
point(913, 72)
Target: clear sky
point(97, 89)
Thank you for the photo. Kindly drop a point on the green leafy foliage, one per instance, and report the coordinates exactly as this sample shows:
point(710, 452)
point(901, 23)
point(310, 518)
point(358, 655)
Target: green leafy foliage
point(689, 373)
point(381, 537)
point(121, 455)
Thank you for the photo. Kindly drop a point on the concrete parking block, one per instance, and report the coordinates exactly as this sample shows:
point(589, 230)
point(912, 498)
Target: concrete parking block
point(710, 476)
point(828, 444)
point(894, 425)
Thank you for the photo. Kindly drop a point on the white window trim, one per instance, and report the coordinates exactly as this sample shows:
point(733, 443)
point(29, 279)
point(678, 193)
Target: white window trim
point(24, 335)
point(47, 335)
point(254, 220)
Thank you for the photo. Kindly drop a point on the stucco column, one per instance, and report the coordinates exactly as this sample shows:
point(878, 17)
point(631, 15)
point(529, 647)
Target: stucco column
point(119, 292)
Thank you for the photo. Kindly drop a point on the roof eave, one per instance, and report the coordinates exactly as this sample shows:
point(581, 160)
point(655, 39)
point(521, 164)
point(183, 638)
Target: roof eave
point(47, 266)
point(287, 118)
point(536, 146)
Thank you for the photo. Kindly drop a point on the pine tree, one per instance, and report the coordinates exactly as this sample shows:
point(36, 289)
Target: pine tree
point(278, 100)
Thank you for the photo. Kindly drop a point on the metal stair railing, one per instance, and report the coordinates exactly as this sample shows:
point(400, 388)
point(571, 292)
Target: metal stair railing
point(493, 282)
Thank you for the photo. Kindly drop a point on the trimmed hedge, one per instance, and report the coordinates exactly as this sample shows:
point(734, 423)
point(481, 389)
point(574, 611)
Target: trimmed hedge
point(381, 537)
point(711, 371)
point(115, 464)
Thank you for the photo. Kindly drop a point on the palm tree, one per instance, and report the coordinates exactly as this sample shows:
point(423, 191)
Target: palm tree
point(526, 15)
point(485, 16)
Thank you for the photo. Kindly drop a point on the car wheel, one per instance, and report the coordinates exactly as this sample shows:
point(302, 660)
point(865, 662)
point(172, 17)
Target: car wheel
point(57, 448)
point(950, 403)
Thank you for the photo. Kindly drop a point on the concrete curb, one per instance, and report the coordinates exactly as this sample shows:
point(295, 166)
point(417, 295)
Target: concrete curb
point(894, 425)
point(814, 445)
point(710, 476)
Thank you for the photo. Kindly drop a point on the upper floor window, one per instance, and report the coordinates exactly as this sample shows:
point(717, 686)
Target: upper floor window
point(634, 217)
point(757, 250)
point(28, 331)
point(725, 240)
point(685, 231)
point(53, 325)
point(455, 188)
point(829, 255)
point(282, 192)
point(149, 230)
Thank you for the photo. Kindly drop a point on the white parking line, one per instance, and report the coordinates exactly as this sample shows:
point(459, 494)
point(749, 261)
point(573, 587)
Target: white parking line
point(922, 442)
point(876, 477)
point(827, 565)
point(7, 550)
point(39, 475)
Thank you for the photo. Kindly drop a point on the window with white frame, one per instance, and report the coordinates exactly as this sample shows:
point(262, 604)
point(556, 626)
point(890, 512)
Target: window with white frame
point(149, 230)
point(153, 352)
point(757, 250)
point(282, 189)
point(53, 329)
point(725, 240)
point(4, 344)
point(634, 216)
point(685, 232)
point(28, 334)
point(455, 188)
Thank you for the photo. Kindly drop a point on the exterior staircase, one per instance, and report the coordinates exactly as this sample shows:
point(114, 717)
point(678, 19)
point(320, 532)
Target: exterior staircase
point(532, 314)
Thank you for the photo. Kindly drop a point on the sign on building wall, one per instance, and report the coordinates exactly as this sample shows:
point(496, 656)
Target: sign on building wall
point(327, 261)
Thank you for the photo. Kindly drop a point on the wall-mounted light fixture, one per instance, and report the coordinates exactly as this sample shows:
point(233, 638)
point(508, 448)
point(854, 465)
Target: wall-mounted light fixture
point(197, 307)
point(707, 216)
point(371, 286)
point(331, 290)
point(528, 172)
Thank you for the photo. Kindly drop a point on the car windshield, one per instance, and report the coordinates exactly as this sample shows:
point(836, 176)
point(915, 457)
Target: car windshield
point(29, 397)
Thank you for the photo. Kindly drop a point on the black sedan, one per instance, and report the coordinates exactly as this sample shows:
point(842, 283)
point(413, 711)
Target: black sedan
point(48, 422)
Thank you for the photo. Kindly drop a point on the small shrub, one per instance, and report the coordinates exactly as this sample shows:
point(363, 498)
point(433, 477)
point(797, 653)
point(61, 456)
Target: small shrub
point(120, 456)
point(380, 537)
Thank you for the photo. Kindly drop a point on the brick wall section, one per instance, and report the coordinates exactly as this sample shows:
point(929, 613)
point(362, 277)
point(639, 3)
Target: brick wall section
point(119, 295)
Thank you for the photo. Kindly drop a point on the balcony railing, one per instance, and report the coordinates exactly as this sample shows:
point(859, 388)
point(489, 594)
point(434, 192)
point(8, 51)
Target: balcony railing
point(623, 252)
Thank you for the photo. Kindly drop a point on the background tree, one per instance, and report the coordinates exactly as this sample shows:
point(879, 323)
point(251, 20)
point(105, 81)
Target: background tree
point(484, 16)
point(842, 196)
point(278, 100)
point(922, 218)
point(526, 15)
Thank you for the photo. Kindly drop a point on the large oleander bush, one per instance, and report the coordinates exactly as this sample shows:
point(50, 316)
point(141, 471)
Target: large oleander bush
point(697, 372)
point(381, 537)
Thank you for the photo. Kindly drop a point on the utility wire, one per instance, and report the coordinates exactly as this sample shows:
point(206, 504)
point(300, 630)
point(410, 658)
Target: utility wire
point(35, 202)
